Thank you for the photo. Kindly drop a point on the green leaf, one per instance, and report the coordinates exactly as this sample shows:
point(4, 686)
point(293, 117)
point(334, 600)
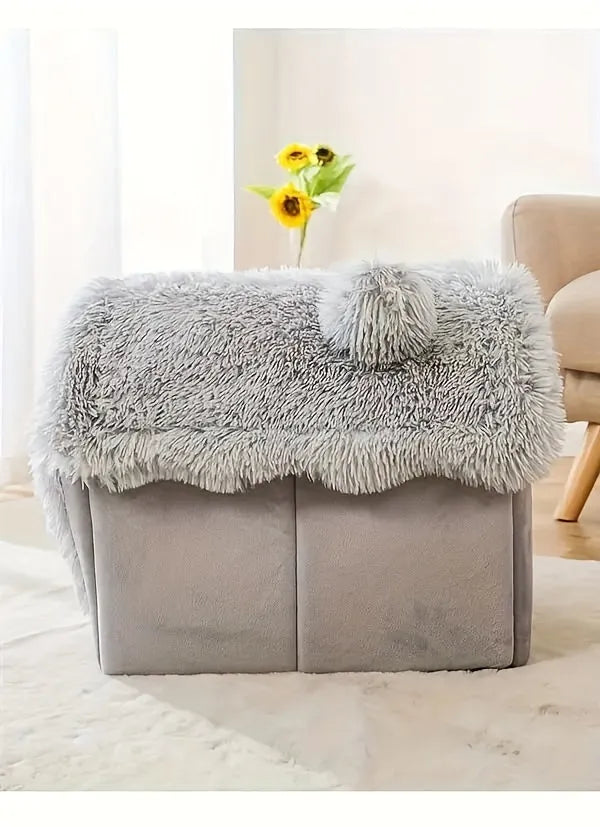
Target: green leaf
point(337, 184)
point(329, 200)
point(303, 179)
point(321, 181)
point(332, 177)
point(266, 192)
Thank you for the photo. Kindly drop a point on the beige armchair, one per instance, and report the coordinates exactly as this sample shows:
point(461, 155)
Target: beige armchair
point(558, 238)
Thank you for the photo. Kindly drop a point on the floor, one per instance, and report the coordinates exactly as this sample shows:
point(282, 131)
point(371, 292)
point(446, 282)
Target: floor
point(21, 520)
point(14, 492)
point(69, 727)
point(575, 541)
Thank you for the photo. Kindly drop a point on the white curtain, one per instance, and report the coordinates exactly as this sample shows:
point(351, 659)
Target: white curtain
point(117, 156)
point(16, 254)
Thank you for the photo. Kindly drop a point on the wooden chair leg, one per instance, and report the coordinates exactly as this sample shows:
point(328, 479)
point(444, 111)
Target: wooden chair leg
point(584, 473)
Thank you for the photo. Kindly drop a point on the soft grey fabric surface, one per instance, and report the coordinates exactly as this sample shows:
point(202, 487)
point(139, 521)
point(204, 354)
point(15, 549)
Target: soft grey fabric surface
point(190, 581)
point(420, 577)
point(227, 381)
point(522, 575)
point(379, 317)
point(431, 575)
point(80, 534)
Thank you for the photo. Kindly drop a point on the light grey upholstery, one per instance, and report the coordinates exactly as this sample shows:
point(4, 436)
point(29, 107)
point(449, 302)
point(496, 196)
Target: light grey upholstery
point(429, 575)
point(420, 576)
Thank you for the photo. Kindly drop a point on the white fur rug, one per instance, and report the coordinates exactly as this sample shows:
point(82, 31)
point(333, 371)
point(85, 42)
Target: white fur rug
point(67, 727)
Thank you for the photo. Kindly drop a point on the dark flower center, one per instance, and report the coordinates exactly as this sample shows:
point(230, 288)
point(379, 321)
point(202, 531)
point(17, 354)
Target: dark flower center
point(291, 205)
point(324, 155)
point(296, 155)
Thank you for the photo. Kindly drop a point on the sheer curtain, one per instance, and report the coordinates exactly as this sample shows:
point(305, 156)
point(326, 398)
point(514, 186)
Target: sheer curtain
point(116, 148)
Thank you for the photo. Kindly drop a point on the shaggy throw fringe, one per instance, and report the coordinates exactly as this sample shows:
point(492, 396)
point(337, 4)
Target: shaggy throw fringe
point(361, 378)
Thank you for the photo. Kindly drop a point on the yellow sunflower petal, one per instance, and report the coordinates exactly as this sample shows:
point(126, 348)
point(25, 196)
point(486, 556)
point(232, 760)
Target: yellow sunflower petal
point(294, 157)
point(290, 206)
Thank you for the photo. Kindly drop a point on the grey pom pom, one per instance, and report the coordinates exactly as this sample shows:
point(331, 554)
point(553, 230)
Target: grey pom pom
point(378, 314)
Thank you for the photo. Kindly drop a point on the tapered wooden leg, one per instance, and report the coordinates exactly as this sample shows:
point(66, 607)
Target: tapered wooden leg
point(584, 473)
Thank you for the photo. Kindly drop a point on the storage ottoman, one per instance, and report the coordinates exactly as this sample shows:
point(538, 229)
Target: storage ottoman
point(289, 575)
point(322, 471)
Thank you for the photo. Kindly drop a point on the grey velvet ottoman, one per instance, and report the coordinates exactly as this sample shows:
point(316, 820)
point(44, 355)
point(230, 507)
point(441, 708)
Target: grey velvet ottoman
point(290, 575)
point(313, 470)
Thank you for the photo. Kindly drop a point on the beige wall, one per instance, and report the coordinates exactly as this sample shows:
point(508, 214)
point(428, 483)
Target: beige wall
point(446, 129)
point(256, 140)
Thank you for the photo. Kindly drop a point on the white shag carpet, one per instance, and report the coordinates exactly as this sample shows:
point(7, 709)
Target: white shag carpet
point(67, 727)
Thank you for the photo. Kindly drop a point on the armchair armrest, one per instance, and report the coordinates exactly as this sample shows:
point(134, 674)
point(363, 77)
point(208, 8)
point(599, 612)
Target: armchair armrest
point(556, 236)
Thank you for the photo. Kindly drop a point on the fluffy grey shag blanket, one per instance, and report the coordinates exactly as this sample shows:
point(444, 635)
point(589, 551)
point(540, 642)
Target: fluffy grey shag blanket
point(362, 378)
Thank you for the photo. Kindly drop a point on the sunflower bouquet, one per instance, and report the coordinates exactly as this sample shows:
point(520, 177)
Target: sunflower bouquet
point(317, 177)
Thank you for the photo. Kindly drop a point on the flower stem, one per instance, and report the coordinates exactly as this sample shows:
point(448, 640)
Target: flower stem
point(302, 240)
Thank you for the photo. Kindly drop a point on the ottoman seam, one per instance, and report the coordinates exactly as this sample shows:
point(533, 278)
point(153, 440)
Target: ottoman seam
point(514, 577)
point(294, 480)
point(521, 579)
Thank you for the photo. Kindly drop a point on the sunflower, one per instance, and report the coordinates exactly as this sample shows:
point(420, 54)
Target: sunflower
point(325, 154)
point(296, 156)
point(290, 206)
